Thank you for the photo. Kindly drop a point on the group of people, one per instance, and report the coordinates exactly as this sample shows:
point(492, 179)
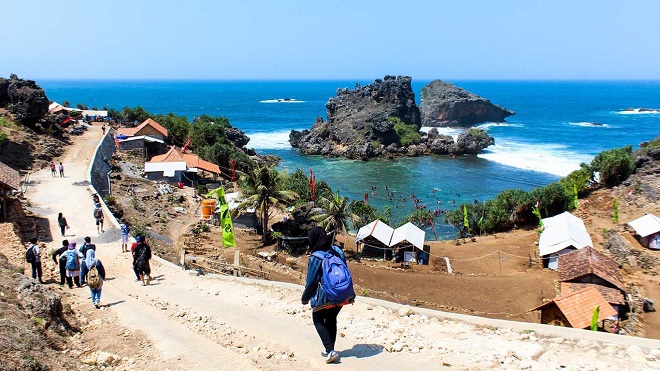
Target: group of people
point(54, 169)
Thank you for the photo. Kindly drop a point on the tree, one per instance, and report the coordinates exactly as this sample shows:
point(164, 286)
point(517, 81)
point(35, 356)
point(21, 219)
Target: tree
point(336, 213)
point(263, 189)
point(138, 114)
point(66, 103)
point(178, 127)
point(614, 165)
point(366, 214)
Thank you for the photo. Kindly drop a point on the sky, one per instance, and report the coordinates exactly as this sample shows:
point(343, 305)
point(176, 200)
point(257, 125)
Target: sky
point(325, 40)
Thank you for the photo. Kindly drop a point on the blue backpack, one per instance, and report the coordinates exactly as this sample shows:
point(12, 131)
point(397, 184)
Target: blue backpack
point(72, 260)
point(336, 279)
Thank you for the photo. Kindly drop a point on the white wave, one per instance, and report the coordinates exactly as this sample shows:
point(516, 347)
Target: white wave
point(545, 158)
point(637, 111)
point(269, 140)
point(452, 132)
point(489, 125)
point(589, 124)
point(282, 100)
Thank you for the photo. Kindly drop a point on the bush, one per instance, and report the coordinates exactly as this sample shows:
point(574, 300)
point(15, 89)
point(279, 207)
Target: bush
point(407, 134)
point(614, 165)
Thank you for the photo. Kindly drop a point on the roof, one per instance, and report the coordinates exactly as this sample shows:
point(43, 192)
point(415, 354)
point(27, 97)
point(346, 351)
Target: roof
point(588, 261)
point(578, 307)
point(129, 132)
point(377, 229)
point(646, 225)
point(410, 233)
point(612, 295)
point(146, 138)
point(562, 231)
point(9, 177)
point(191, 160)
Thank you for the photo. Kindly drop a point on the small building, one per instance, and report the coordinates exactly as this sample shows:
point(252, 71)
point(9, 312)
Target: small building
point(561, 234)
point(375, 238)
point(151, 144)
point(408, 239)
point(576, 309)
point(148, 127)
point(181, 167)
point(10, 180)
point(648, 229)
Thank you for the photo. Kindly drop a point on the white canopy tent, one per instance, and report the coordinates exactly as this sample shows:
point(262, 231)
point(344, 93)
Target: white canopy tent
point(561, 234)
point(378, 230)
point(648, 229)
point(409, 233)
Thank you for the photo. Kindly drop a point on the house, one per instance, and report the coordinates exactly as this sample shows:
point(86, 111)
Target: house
point(375, 238)
point(648, 229)
point(180, 167)
point(576, 309)
point(147, 127)
point(10, 180)
point(93, 115)
point(149, 135)
point(588, 267)
point(561, 234)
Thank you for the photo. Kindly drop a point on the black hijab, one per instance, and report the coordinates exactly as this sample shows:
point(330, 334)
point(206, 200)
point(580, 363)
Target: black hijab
point(318, 239)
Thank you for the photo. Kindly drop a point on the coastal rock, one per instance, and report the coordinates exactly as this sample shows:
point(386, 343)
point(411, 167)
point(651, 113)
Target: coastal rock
point(473, 141)
point(27, 101)
point(444, 104)
point(236, 136)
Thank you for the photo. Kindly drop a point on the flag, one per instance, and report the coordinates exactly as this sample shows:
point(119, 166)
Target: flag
point(594, 318)
point(466, 223)
point(616, 210)
point(311, 185)
point(233, 171)
point(538, 203)
point(228, 239)
point(366, 198)
point(575, 198)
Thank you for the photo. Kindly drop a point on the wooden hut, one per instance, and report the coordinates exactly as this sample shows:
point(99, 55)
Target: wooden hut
point(576, 309)
point(10, 180)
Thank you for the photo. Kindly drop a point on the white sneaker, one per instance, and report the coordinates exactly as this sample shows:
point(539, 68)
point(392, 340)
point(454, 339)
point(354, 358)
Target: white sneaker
point(331, 357)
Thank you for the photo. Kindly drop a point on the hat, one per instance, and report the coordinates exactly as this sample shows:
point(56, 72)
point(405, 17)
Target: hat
point(138, 238)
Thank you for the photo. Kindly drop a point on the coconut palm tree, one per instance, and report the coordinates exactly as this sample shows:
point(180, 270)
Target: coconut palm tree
point(263, 190)
point(335, 213)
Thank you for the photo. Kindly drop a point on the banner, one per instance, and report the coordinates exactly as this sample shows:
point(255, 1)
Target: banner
point(575, 198)
point(466, 223)
point(228, 239)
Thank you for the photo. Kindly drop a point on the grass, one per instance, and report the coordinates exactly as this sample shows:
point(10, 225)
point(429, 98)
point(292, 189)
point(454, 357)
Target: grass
point(408, 134)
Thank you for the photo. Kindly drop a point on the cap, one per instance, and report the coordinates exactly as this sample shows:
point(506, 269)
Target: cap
point(138, 238)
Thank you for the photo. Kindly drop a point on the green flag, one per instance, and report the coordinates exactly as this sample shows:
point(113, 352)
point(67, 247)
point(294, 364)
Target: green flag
point(575, 192)
point(616, 210)
point(466, 223)
point(594, 318)
point(228, 239)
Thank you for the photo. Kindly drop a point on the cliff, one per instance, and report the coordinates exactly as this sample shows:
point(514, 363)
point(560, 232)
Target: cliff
point(25, 99)
point(444, 104)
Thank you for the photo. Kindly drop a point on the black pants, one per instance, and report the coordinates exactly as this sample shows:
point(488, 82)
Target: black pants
point(75, 280)
point(62, 229)
point(36, 270)
point(325, 321)
point(62, 271)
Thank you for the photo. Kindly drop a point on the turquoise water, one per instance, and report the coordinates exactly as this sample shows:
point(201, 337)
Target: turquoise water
point(552, 132)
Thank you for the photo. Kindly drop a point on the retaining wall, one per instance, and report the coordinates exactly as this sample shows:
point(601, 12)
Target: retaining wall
point(100, 165)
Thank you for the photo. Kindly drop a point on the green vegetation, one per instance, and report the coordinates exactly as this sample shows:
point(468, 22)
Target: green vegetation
point(298, 183)
point(614, 165)
point(336, 213)
point(366, 214)
point(407, 134)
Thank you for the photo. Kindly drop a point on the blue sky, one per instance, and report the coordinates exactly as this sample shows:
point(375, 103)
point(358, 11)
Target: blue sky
point(288, 39)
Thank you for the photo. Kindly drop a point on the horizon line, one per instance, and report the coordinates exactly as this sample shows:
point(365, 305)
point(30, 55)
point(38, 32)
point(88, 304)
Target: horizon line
point(129, 79)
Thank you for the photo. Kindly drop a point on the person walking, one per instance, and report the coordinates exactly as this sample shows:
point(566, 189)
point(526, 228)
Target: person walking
point(95, 276)
point(141, 261)
point(324, 313)
point(124, 229)
point(62, 260)
point(72, 266)
point(86, 246)
point(61, 168)
point(133, 246)
point(98, 217)
point(61, 221)
point(36, 260)
point(53, 172)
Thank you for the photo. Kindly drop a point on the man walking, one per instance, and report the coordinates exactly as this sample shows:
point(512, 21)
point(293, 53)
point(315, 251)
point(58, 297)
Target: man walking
point(88, 245)
point(36, 259)
point(124, 229)
point(141, 260)
point(98, 216)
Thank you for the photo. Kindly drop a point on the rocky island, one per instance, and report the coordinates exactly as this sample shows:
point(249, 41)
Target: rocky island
point(380, 120)
point(444, 104)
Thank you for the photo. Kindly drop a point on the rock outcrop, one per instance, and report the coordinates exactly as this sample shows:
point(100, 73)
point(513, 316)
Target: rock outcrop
point(444, 104)
point(379, 120)
point(25, 99)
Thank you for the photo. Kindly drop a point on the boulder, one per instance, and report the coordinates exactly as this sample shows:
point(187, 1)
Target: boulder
point(444, 104)
point(27, 100)
point(236, 136)
point(473, 141)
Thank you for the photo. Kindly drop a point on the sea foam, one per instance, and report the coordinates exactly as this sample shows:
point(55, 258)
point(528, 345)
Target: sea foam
point(452, 132)
point(269, 140)
point(546, 158)
point(281, 100)
point(489, 125)
point(636, 111)
point(589, 124)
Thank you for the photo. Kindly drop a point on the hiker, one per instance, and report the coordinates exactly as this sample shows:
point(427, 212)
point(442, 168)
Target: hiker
point(62, 261)
point(33, 256)
point(53, 172)
point(141, 261)
point(95, 276)
point(61, 221)
point(103, 129)
point(124, 229)
point(98, 217)
point(133, 246)
point(324, 313)
point(72, 266)
point(61, 168)
point(86, 246)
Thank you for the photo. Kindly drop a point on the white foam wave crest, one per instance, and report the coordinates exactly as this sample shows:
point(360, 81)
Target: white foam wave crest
point(640, 111)
point(269, 140)
point(589, 124)
point(282, 100)
point(453, 132)
point(548, 158)
point(489, 125)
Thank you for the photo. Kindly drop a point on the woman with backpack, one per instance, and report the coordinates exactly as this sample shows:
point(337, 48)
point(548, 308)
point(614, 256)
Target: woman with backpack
point(95, 276)
point(61, 221)
point(72, 266)
point(324, 310)
point(141, 259)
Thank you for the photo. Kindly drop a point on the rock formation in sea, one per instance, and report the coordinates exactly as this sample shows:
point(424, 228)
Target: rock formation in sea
point(379, 120)
point(25, 99)
point(444, 104)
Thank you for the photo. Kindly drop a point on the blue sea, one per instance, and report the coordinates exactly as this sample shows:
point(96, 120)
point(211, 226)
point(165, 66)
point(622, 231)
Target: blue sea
point(557, 125)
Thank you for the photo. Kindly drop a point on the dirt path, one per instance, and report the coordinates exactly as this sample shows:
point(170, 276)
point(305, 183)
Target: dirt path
point(223, 323)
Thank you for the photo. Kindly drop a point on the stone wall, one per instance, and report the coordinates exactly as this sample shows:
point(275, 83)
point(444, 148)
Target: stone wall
point(101, 164)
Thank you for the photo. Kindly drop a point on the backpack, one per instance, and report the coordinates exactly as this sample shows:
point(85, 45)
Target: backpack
point(94, 279)
point(336, 279)
point(72, 260)
point(29, 255)
point(98, 213)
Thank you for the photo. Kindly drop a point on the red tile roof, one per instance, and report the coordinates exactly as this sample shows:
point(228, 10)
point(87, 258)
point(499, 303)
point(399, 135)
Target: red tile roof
point(175, 155)
point(612, 295)
point(9, 177)
point(588, 261)
point(129, 132)
point(578, 307)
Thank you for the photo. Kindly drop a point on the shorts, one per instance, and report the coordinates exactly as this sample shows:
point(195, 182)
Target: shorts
point(124, 239)
point(99, 221)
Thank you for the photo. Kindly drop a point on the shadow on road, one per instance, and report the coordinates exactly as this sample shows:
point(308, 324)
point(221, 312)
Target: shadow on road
point(115, 303)
point(362, 350)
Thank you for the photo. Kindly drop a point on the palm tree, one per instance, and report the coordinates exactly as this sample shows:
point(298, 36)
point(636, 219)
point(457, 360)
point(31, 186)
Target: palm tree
point(263, 189)
point(335, 214)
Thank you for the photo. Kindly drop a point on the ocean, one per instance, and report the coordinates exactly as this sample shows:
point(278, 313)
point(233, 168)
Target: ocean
point(557, 126)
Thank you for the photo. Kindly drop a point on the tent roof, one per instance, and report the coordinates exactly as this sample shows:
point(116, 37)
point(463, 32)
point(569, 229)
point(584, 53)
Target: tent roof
point(562, 231)
point(408, 232)
point(378, 229)
point(646, 225)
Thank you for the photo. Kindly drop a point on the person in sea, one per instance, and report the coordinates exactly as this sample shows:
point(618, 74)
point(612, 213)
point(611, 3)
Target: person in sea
point(141, 261)
point(61, 221)
point(53, 172)
point(95, 275)
point(62, 260)
point(324, 313)
point(61, 168)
